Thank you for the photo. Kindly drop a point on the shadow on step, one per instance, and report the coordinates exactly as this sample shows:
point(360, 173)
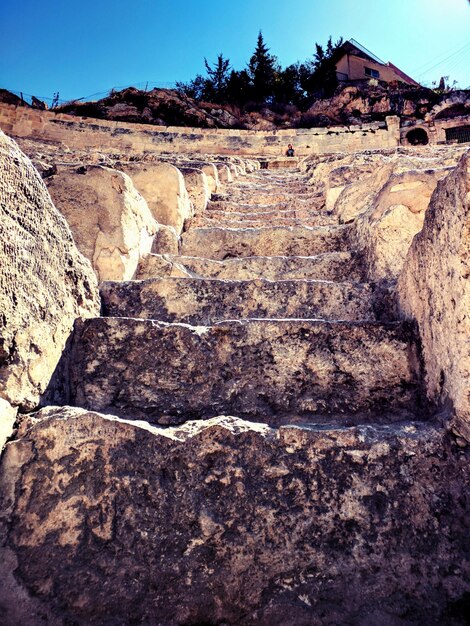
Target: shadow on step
point(270, 371)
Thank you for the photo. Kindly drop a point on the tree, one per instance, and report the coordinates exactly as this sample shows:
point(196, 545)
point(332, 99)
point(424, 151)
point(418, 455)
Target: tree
point(239, 88)
point(319, 75)
point(196, 88)
point(262, 70)
point(212, 88)
point(287, 87)
point(218, 79)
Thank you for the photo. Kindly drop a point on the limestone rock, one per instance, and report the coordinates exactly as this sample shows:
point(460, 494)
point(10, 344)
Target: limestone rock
point(204, 301)
point(357, 197)
point(340, 266)
point(384, 232)
point(166, 241)
point(229, 522)
point(434, 289)
point(162, 186)
point(262, 369)
point(224, 172)
point(197, 187)
point(110, 221)
point(161, 265)
point(211, 172)
point(222, 243)
point(45, 283)
point(7, 420)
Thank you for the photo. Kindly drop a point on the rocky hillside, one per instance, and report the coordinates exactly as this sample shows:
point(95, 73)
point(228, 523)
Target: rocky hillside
point(165, 107)
point(351, 104)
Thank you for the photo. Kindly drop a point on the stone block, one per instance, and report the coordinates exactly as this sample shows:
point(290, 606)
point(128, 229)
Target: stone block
point(111, 222)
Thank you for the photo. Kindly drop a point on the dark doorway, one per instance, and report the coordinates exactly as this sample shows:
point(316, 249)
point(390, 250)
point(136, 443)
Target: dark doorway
point(417, 137)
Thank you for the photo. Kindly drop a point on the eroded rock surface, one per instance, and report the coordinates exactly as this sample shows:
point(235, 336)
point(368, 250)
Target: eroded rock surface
point(221, 243)
point(434, 289)
point(45, 283)
point(230, 522)
point(335, 496)
point(254, 368)
point(202, 301)
point(163, 187)
point(109, 219)
point(338, 266)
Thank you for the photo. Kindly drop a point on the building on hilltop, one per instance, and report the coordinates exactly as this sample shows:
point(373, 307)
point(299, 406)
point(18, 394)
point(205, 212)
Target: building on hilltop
point(356, 63)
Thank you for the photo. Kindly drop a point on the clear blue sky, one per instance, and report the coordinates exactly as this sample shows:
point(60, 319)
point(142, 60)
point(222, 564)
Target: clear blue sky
point(80, 48)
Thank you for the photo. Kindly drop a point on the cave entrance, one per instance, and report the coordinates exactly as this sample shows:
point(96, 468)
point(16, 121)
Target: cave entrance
point(417, 137)
point(458, 134)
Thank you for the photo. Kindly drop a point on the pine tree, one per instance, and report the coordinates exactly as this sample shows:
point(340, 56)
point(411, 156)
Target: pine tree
point(319, 75)
point(218, 79)
point(262, 70)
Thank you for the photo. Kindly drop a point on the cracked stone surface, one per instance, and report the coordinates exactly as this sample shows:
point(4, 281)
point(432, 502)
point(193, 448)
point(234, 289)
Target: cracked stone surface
point(252, 368)
point(109, 219)
point(434, 289)
point(202, 301)
point(45, 283)
point(221, 243)
point(250, 465)
point(229, 522)
point(336, 266)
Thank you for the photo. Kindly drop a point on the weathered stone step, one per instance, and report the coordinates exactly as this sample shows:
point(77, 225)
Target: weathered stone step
point(272, 188)
point(259, 197)
point(227, 206)
point(258, 369)
point(261, 213)
point(204, 301)
point(222, 243)
point(204, 221)
point(335, 266)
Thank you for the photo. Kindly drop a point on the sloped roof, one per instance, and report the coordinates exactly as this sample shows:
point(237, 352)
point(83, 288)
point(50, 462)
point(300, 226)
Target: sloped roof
point(354, 47)
point(399, 72)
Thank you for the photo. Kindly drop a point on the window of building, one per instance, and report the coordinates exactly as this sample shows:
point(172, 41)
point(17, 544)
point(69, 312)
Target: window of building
point(370, 72)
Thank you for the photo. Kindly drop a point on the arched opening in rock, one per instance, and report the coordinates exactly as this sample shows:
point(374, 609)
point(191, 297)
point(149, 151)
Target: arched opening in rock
point(417, 137)
point(456, 110)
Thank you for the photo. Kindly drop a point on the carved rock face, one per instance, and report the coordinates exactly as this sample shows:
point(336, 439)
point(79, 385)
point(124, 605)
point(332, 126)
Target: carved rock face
point(109, 219)
point(45, 283)
point(434, 289)
point(264, 453)
point(162, 185)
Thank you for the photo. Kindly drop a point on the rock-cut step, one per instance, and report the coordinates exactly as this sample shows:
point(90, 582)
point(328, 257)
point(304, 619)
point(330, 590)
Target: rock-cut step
point(221, 243)
point(204, 301)
point(334, 266)
point(274, 371)
point(204, 221)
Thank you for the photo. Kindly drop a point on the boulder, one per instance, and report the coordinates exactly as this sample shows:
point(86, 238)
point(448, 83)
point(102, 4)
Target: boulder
point(166, 240)
point(110, 221)
point(45, 283)
point(224, 172)
point(163, 187)
point(210, 170)
point(197, 187)
point(357, 197)
point(383, 233)
point(434, 289)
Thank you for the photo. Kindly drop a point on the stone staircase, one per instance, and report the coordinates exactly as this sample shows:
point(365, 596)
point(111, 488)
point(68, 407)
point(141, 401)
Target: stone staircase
point(263, 315)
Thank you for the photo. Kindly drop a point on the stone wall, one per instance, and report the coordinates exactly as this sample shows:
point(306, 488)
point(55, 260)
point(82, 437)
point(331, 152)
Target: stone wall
point(435, 129)
point(80, 132)
point(434, 290)
point(45, 283)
